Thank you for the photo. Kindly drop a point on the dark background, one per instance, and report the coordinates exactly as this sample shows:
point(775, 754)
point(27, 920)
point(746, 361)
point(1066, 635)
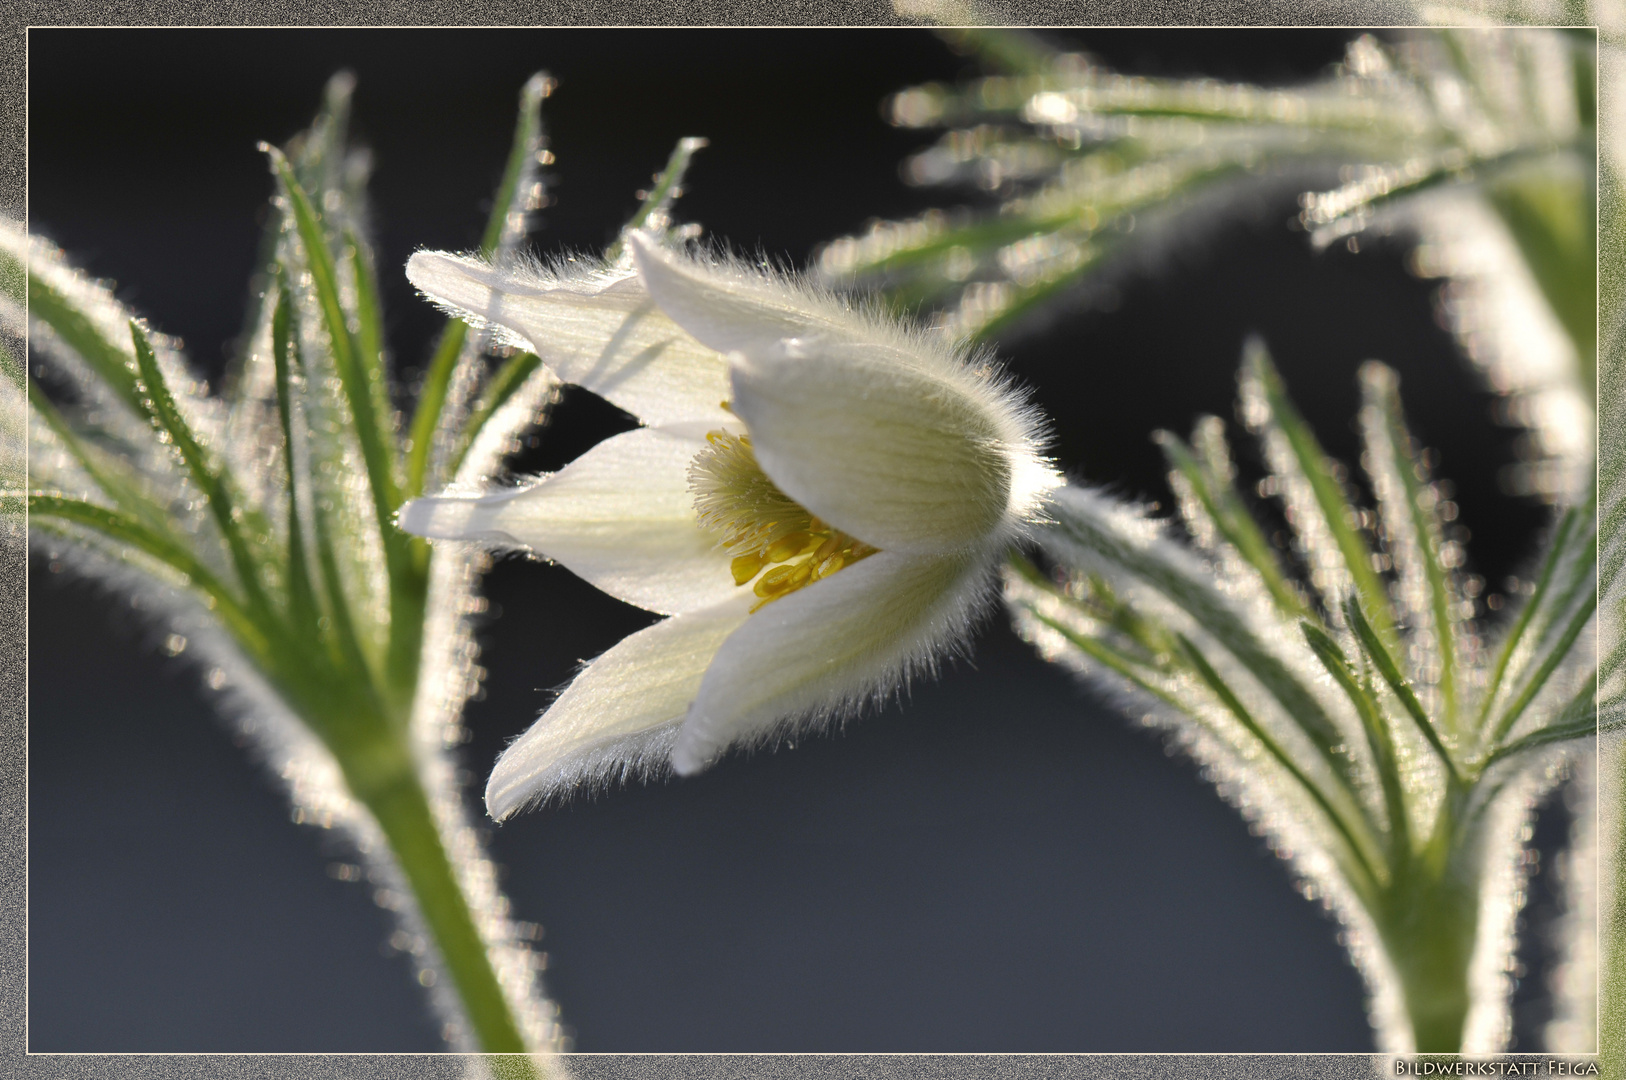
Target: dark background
point(1002, 863)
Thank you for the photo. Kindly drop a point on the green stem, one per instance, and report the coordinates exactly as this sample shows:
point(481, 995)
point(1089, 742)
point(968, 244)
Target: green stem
point(1429, 920)
point(388, 785)
point(1430, 934)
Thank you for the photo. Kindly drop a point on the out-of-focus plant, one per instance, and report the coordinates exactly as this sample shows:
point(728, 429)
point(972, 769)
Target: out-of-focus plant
point(1480, 142)
point(1346, 698)
point(1356, 715)
point(257, 527)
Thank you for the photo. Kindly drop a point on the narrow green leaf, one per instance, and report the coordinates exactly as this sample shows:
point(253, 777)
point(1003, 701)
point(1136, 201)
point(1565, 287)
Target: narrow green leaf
point(653, 206)
point(517, 192)
point(160, 405)
point(1414, 530)
point(121, 529)
point(508, 379)
point(1140, 640)
point(1213, 612)
point(437, 383)
point(343, 636)
point(1024, 300)
point(1150, 636)
point(1230, 519)
point(1578, 720)
point(339, 636)
point(1543, 584)
point(318, 154)
point(1556, 655)
point(370, 343)
point(406, 573)
point(302, 606)
point(1129, 667)
point(1205, 671)
point(351, 368)
point(1583, 576)
point(107, 359)
point(1378, 654)
point(1377, 734)
point(1335, 512)
point(111, 475)
point(1143, 674)
point(318, 157)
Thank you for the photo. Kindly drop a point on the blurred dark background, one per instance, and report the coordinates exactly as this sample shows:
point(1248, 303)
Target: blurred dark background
point(1002, 863)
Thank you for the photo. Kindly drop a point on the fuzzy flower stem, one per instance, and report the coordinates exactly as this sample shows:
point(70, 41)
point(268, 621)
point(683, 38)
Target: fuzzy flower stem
point(398, 803)
point(1429, 920)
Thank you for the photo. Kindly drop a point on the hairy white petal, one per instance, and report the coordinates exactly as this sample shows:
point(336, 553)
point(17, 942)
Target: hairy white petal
point(824, 651)
point(619, 516)
point(889, 435)
point(621, 714)
point(895, 456)
point(731, 308)
point(596, 328)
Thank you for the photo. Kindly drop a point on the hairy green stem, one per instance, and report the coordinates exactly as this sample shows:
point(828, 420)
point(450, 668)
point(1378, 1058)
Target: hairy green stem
point(1429, 929)
point(388, 785)
point(1429, 919)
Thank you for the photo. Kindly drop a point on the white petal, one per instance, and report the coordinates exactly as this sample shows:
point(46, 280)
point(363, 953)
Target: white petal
point(730, 307)
point(824, 651)
point(621, 715)
point(599, 330)
point(620, 516)
point(886, 434)
point(901, 458)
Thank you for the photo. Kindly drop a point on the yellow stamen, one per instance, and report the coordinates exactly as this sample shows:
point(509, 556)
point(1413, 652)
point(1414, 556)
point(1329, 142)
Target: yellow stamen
point(827, 566)
point(775, 582)
point(759, 524)
point(745, 567)
point(787, 546)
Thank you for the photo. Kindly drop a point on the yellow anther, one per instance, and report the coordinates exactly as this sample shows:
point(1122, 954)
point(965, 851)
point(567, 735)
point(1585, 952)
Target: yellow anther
point(825, 567)
point(745, 567)
point(759, 525)
point(775, 582)
point(788, 546)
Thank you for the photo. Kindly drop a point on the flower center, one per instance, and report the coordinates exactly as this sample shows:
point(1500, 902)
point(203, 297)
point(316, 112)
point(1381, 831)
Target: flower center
point(774, 541)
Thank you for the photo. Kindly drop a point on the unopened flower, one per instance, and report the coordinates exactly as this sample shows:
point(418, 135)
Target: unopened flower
point(817, 499)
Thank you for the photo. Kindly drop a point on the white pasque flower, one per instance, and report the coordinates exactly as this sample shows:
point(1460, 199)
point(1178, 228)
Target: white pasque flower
point(818, 499)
